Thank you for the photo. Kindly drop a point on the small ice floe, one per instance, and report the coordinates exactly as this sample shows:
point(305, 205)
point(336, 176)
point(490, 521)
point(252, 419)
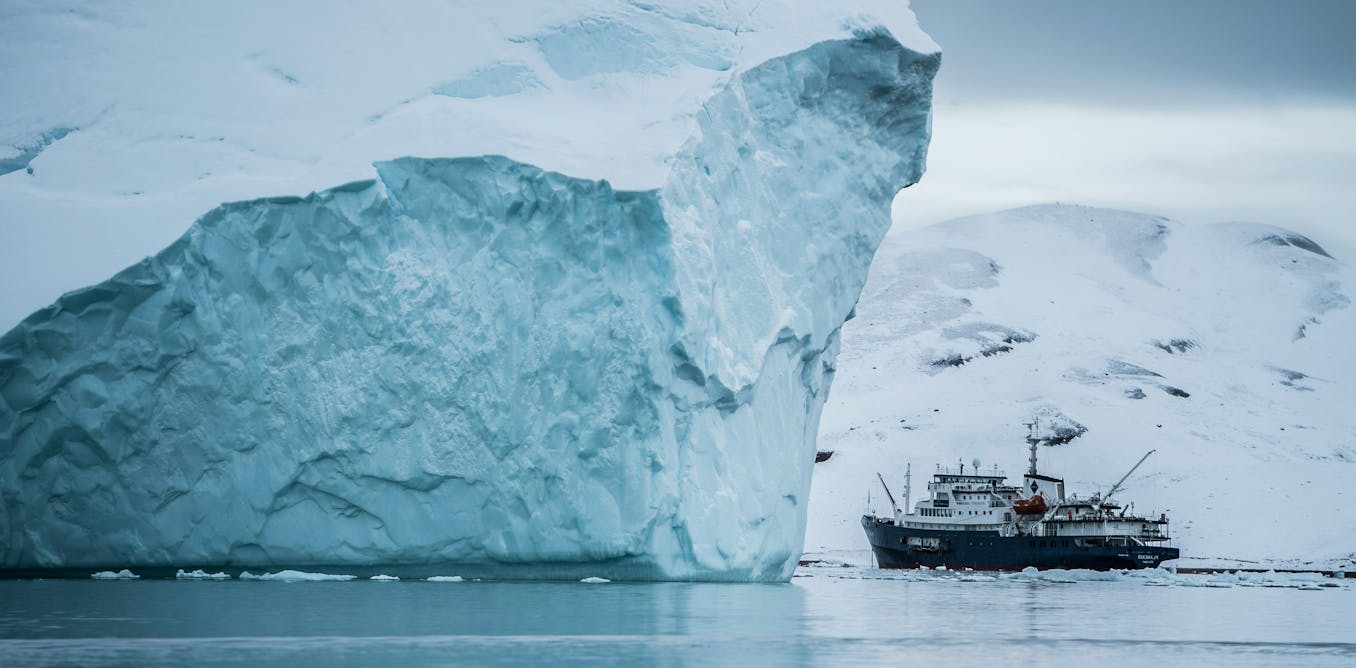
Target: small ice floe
point(200, 574)
point(977, 578)
point(123, 574)
point(384, 578)
point(1033, 573)
point(445, 578)
point(296, 576)
point(595, 580)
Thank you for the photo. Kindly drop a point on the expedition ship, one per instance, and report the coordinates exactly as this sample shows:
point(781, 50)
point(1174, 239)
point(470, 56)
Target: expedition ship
point(977, 520)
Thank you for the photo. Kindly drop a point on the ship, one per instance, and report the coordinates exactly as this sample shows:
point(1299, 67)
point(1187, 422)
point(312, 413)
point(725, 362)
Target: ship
point(977, 520)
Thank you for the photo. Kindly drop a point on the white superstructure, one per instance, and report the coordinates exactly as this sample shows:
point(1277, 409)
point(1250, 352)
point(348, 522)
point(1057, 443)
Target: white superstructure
point(977, 500)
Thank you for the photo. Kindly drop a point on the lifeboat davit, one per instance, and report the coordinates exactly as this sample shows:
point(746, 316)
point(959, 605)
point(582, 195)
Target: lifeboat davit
point(1032, 506)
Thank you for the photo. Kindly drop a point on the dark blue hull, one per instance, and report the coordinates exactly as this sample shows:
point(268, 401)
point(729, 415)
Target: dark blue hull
point(986, 550)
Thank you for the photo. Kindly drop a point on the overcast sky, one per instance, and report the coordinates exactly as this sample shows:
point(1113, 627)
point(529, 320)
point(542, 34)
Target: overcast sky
point(1201, 110)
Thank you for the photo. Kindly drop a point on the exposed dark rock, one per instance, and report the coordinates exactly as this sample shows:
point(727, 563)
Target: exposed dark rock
point(1292, 239)
point(1055, 428)
point(1173, 346)
point(823, 456)
point(954, 359)
point(1135, 393)
point(1294, 379)
point(990, 338)
point(1176, 392)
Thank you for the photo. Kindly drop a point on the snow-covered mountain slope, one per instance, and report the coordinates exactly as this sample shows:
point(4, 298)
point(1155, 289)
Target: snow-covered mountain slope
point(124, 121)
point(1226, 347)
point(477, 362)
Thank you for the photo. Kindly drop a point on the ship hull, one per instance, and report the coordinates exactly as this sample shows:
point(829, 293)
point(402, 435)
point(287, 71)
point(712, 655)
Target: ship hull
point(900, 547)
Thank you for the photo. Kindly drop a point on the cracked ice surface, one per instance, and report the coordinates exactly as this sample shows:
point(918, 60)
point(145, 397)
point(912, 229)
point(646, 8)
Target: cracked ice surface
point(474, 361)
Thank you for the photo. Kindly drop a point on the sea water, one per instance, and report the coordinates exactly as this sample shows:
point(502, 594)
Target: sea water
point(825, 616)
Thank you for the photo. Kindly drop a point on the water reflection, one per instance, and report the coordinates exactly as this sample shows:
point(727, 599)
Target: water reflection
point(858, 616)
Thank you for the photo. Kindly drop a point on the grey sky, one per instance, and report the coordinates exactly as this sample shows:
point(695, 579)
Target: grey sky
point(1147, 52)
point(1203, 111)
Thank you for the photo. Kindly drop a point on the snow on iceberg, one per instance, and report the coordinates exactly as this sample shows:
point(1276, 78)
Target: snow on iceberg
point(478, 362)
point(123, 574)
point(199, 574)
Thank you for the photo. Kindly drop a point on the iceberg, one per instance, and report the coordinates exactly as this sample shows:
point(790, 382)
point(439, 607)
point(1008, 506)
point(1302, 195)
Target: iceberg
point(477, 362)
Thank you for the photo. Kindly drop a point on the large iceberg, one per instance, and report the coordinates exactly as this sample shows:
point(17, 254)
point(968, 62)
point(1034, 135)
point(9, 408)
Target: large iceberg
point(477, 361)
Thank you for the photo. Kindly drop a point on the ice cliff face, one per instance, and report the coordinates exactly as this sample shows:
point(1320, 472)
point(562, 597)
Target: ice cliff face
point(474, 361)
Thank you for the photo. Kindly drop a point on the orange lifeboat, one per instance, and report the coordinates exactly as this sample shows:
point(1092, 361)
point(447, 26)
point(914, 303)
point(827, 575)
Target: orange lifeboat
point(1032, 506)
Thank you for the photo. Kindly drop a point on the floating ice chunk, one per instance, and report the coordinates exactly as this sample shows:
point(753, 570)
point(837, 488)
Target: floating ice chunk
point(1069, 576)
point(384, 578)
point(445, 578)
point(123, 574)
point(200, 574)
point(595, 580)
point(296, 576)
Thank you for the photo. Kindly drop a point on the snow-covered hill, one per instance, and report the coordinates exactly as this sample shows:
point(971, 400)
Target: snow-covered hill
point(1226, 347)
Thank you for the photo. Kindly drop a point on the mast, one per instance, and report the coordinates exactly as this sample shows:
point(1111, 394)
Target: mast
point(1032, 441)
point(908, 485)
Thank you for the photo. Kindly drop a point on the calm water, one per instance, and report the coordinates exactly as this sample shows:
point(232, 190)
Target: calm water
point(826, 616)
